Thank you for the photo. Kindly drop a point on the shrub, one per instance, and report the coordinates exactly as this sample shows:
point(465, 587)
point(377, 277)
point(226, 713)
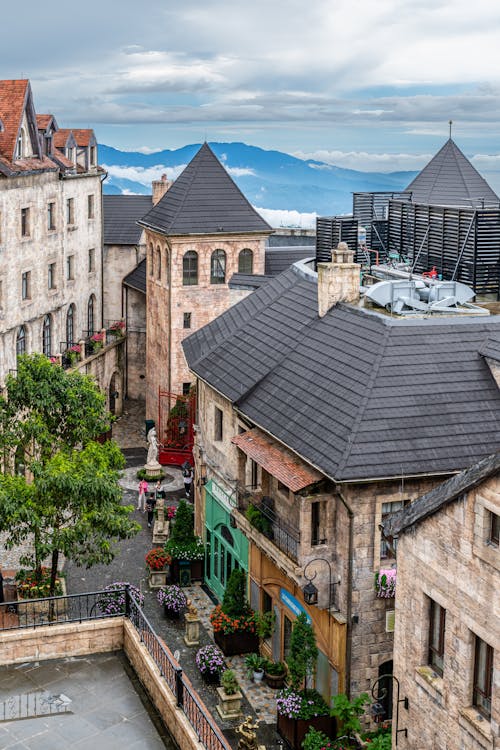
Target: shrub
point(157, 558)
point(229, 682)
point(349, 712)
point(275, 668)
point(172, 597)
point(258, 519)
point(210, 660)
point(143, 474)
point(182, 532)
point(316, 740)
point(303, 652)
point(113, 602)
point(234, 601)
point(31, 586)
point(223, 623)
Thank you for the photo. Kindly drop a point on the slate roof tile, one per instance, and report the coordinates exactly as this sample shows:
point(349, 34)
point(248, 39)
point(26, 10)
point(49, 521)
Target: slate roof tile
point(121, 214)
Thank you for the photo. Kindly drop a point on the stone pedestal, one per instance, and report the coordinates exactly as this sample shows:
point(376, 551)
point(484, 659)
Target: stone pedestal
point(153, 469)
point(157, 579)
point(192, 635)
point(229, 706)
point(161, 526)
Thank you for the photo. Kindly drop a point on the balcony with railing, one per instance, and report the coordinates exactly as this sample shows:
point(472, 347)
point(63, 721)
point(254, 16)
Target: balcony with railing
point(260, 512)
point(72, 353)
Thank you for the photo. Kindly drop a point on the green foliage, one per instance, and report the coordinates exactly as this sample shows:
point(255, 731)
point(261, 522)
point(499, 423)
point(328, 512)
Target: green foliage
point(316, 740)
point(349, 712)
point(255, 663)
point(234, 602)
point(70, 502)
point(258, 520)
point(143, 474)
point(381, 740)
point(303, 652)
point(229, 682)
point(275, 668)
point(183, 529)
point(265, 622)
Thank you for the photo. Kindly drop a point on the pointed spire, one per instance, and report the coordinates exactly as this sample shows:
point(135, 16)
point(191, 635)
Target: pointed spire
point(450, 123)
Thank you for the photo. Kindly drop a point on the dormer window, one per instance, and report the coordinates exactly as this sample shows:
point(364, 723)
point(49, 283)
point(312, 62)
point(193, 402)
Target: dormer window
point(21, 144)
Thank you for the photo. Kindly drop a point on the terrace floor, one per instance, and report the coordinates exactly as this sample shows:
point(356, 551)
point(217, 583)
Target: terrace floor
point(84, 702)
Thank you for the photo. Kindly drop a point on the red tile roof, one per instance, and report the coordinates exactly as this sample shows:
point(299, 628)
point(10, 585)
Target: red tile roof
point(12, 100)
point(276, 461)
point(43, 121)
point(61, 137)
point(82, 136)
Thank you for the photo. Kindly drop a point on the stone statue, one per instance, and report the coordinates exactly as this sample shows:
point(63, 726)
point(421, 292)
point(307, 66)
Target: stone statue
point(192, 609)
point(248, 739)
point(153, 447)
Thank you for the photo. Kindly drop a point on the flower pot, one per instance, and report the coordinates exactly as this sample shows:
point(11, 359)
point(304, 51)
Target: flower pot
point(211, 678)
point(157, 578)
point(293, 731)
point(237, 643)
point(171, 614)
point(229, 706)
point(275, 681)
point(258, 676)
point(196, 570)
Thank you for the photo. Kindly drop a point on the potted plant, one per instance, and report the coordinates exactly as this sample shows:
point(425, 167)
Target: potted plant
point(233, 621)
point(97, 341)
point(210, 662)
point(255, 664)
point(35, 584)
point(184, 546)
point(229, 706)
point(275, 674)
point(118, 328)
point(113, 600)
point(299, 707)
point(73, 354)
point(157, 560)
point(173, 600)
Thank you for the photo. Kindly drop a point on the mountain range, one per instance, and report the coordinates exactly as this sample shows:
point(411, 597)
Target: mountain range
point(270, 180)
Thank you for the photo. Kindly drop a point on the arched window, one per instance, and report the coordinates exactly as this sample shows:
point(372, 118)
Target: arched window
point(218, 267)
point(91, 315)
point(245, 261)
point(190, 268)
point(47, 336)
point(70, 326)
point(21, 341)
point(151, 269)
point(158, 263)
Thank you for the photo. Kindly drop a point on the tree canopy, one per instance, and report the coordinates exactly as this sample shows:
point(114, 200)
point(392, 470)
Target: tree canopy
point(69, 500)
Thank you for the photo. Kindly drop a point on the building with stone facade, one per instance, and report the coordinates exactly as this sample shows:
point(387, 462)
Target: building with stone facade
point(447, 638)
point(327, 416)
point(51, 276)
point(198, 234)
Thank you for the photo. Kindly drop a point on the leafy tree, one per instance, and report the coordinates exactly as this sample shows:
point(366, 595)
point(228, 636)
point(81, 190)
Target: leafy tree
point(69, 502)
point(234, 601)
point(303, 652)
point(349, 712)
point(183, 530)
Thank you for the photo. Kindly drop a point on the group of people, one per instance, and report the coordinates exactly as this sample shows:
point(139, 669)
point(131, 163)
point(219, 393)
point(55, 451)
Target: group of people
point(146, 501)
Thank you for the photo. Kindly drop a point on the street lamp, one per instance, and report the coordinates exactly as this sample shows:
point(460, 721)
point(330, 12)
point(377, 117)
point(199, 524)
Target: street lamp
point(378, 711)
point(310, 591)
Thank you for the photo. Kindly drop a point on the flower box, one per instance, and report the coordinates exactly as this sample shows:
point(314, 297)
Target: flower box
point(293, 731)
point(41, 607)
point(237, 643)
point(196, 570)
point(157, 578)
point(385, 583)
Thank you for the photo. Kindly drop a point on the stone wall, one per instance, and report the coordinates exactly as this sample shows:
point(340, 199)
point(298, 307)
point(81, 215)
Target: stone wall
point(136, 344)
point(106, 367)
point(118, 261)
point(447, 558)
point(44, 246)
point(168, 299)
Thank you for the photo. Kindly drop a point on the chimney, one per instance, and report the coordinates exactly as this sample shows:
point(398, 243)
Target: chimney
point(160, 187)
point(339, 280)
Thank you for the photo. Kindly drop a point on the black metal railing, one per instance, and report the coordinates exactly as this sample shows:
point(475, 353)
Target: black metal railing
point(33, 613)
point(283, 534)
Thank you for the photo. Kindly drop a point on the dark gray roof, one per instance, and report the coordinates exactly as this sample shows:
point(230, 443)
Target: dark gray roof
point(491, 348)
point(204, 200)
point(449, 179)
point(136, 279)
point(357, 394)
point(278, 259)
point(121, 213)
point(247, 281)
point(445, 493)
point(290, 240)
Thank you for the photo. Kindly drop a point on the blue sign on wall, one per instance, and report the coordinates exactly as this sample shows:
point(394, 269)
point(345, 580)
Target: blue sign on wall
point(292, 604)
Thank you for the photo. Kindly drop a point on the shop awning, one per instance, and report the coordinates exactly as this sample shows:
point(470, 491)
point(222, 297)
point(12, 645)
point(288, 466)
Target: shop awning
point(276, 461)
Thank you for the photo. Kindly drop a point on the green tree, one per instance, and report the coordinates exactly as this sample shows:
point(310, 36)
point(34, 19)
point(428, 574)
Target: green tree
point(234, 601)
point(69, 501)
point(183, 529)
point(303, 652)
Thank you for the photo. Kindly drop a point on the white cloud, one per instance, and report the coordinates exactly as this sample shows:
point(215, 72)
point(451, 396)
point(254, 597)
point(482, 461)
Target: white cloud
point(240, 171)
point(144, 175)
point(366, 162)
point(281, 218)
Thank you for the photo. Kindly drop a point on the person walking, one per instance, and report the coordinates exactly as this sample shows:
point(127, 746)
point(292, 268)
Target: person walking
point(187, 475)
point(150, 506)
point(141, 500)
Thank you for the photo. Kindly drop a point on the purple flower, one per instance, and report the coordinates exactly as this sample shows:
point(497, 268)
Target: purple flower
point(113, 603)
point(172, 597)
point(210, 659)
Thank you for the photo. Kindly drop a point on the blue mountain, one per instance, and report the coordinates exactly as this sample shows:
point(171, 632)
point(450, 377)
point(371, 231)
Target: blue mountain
point(269, 179)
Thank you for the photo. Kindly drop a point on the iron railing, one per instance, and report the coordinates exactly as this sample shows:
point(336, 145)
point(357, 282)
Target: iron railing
point(284, 535)
point(33, 613)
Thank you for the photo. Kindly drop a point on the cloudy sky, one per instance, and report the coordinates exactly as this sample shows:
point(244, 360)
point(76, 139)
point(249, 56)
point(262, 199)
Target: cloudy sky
point(357, 83)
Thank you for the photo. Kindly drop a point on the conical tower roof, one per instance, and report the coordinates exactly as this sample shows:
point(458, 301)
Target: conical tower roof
point(449, 179)
point(204, 200)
